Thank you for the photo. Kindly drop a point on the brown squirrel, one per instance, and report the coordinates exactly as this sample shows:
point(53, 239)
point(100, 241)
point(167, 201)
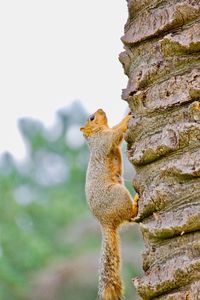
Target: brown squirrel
point(109, 200)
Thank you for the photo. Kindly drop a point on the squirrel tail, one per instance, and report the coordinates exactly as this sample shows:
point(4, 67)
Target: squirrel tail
point(110, 285)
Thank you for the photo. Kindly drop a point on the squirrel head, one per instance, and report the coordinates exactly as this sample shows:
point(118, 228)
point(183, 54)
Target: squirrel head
point(95, 123)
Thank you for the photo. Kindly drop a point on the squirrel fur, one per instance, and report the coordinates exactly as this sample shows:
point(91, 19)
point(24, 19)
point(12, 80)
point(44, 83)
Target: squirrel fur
point(109, 200)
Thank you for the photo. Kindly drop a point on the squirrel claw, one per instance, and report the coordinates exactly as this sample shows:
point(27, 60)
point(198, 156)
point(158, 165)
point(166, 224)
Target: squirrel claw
point(136, 198)
point(132, 220)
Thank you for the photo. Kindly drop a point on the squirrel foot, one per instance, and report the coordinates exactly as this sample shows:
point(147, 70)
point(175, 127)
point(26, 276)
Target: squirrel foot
point(136, 198)
point(135, 207)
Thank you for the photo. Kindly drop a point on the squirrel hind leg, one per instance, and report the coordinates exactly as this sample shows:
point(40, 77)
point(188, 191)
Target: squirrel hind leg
point(112, 293)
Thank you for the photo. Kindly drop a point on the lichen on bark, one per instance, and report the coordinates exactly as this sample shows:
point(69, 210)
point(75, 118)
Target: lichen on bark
point(162, 62)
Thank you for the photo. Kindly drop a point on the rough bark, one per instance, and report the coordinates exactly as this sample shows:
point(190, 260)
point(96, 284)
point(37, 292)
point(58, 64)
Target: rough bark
point(162, 62)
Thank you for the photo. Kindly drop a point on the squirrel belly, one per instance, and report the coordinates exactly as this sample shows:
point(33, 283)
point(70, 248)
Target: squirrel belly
point(110, 202)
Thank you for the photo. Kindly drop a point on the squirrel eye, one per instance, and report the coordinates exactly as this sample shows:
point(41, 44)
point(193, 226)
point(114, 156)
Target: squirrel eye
point(92, 117)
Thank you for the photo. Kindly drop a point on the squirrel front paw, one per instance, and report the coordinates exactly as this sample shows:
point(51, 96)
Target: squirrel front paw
point(126, 120)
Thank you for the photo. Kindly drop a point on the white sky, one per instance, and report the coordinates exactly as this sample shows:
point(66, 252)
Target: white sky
point(55, 51)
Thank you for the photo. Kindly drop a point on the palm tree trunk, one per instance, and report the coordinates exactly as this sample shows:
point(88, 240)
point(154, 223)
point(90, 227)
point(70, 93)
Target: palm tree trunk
point(162, 62)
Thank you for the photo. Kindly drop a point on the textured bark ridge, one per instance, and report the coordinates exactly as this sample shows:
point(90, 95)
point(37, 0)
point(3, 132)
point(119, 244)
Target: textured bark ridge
point(162, 62)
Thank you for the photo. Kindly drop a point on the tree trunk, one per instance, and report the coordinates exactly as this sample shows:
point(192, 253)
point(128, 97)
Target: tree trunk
point(162, 61)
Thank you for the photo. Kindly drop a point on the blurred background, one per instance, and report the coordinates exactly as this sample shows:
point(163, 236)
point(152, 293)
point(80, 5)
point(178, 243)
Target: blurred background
point(54, 51)
point(49, 242)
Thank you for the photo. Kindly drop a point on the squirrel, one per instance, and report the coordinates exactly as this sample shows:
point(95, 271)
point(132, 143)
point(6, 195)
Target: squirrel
point(108, 198)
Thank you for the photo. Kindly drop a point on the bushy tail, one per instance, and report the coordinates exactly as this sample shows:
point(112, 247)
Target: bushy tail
point(110, 286)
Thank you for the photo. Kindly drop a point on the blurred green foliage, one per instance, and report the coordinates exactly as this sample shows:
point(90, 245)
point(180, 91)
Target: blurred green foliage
point(48, 239)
